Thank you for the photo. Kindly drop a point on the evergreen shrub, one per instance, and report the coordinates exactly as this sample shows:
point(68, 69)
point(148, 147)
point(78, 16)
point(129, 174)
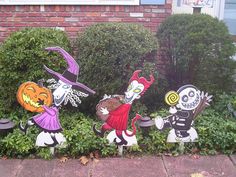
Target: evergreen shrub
point(197, 49)
point(109, 53)
point(22, 57)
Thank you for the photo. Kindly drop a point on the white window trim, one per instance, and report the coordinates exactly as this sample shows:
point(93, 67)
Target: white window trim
point(220, 8)
point(69, 2)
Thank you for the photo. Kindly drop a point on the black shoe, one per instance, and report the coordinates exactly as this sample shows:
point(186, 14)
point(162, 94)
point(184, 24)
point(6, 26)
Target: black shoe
point(55, 142)
point(122, 141)
point(23, 129)
point(97, 132)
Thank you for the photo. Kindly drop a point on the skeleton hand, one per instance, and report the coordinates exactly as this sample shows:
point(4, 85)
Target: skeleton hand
point(172, 110)
point(106, 96)
point(207, 98)
point(104, 111)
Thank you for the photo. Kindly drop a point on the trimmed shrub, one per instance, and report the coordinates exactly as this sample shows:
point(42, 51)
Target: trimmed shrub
point(22, 57)
point(197, 49)
point(108, 55)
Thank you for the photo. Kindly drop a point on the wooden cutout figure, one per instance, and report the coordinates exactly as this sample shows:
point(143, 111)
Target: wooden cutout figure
point(186, 104)
point(114, 111)
point(65, 90)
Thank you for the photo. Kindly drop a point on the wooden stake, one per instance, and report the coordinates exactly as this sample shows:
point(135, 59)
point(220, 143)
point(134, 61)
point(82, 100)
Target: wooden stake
point(120, 150)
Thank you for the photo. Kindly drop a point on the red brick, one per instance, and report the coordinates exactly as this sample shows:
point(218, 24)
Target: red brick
point(149, 15)
point(78, 14)
point(121, 14)
point(143, 19)
point(107, 14)
point(20, 24)
point(168, 6)
point(33, 19)
point(112, 8)
point(49, 14)
point(6, 14)
point(70, 29)
point(157, 20)
point(64, 24)
point(35, 8)
point(8, 24)
point(20, 14)
point(3, 29)
point(49, 24)
point(130, 19)
point(56, 19)
point(92, 14)
point(114, 19)
point(63, 14)
point(13, 18)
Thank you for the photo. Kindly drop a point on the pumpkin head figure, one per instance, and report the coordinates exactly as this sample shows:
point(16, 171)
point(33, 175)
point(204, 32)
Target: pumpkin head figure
point(32, 97)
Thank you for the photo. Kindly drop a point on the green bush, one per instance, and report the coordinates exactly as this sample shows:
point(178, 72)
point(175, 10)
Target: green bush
point(221, 102)
point(216, 135)
point(109, 54)
point(197, 49)
point(77, 127)
point(22, 57)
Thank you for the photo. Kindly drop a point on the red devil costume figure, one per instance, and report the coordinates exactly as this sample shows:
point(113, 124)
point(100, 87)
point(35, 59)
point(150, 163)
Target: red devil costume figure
point(114, 110)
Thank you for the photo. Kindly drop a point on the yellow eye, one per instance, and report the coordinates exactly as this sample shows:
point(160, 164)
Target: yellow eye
point(43, 94)
point(137, 90)
point(31, 88)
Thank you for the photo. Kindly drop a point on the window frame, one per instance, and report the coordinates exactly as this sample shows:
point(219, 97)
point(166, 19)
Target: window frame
point(69, 2)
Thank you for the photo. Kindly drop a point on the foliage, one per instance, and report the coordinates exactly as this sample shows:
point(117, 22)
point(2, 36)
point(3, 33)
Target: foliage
point(77, 130)
point(221, 102)
point(80, 137)
point(197, 49)
point(17, 145)
point(22, 57)
point(216, 134)
point(109, 54)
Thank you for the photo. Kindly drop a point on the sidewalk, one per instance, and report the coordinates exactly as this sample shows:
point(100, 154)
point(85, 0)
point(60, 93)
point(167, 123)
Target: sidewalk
point(147, 166)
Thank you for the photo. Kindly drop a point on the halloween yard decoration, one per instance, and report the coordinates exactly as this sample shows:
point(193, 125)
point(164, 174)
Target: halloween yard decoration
point(66, 89)
point(32, 96)
point(186, 104)
point(114, 111)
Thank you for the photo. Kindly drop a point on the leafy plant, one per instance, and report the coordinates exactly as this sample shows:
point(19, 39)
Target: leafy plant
point(22, 57)
point(216, 134)
point(197, 49)
point(221, 103)
point(110, 52)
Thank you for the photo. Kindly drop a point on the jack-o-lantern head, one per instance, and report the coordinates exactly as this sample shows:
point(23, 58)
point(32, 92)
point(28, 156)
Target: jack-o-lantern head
point(32, 97)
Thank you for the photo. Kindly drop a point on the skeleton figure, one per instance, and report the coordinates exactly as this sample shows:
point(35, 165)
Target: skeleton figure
point(117, 119)
point(191, 102)
point(65, 90)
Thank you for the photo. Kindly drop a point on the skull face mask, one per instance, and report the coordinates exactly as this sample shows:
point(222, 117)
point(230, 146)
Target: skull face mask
point(189, 97)
point(133, 92)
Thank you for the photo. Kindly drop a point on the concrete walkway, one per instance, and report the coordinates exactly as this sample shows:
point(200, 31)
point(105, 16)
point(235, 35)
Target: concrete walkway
point(147, 166)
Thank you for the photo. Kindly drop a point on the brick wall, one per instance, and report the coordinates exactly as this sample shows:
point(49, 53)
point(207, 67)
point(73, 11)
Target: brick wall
point(74, 19)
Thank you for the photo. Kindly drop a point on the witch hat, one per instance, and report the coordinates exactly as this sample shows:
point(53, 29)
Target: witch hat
point(70, 75)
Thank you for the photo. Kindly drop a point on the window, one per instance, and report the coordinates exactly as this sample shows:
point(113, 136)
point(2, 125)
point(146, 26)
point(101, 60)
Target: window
point(230, 15)
point(154, 2)
point(69, 2)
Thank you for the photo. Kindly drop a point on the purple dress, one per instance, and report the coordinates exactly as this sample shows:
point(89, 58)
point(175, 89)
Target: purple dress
point(48, 120)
